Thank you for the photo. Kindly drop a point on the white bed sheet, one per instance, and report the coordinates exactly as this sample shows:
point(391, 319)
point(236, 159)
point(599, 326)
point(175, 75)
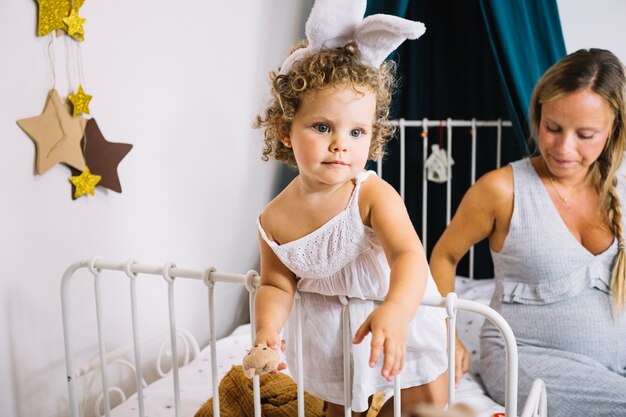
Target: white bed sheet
point(195, 378)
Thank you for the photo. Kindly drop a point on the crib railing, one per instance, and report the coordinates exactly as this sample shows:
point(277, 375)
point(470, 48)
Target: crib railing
point(169, 272)
point(451, 125)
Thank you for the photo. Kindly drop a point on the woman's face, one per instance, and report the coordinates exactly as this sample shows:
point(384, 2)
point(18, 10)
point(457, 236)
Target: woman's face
point(573, 131)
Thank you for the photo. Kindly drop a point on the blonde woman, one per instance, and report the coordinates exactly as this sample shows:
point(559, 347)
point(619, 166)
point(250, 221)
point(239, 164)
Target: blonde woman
point(555, 227)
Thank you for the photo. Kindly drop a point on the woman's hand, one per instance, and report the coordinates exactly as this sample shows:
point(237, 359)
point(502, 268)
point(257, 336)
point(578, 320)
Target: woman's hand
point(461, 360)
point(388, 325)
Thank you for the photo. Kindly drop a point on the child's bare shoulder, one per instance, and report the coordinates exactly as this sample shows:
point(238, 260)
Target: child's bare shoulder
point(375, 188)
point(272, 216)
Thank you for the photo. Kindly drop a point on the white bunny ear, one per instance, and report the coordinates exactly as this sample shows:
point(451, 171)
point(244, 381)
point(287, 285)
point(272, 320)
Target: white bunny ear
point(295, 56)
point(332, 22)
point(380, 34)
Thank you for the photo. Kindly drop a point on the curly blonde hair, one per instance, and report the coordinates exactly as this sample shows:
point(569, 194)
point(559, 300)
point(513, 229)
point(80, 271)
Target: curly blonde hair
point(603, 73)
point(338, 67)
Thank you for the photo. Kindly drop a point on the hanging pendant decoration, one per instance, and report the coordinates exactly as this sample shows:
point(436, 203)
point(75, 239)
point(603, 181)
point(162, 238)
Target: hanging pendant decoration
point(74, 25)
point(57, 135)
point(61, 133)
point(103, 156)
point(52, 14)
point(85, 183)
point(80, 101)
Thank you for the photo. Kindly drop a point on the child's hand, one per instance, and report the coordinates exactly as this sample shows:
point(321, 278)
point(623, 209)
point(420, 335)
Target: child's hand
point(273, 341)
point(388, 325)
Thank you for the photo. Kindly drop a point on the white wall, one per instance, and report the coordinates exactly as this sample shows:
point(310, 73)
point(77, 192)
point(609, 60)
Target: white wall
point(182, 82)
point(594, 24)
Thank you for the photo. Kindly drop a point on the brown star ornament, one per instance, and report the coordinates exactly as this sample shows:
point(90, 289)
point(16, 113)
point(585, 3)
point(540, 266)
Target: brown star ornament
point(57, 135)
point(103, 156)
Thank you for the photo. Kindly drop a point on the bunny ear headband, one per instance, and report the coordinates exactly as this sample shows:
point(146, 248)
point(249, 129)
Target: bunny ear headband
point(334, 23)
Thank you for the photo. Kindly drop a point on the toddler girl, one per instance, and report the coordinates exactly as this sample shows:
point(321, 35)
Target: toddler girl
point(338, 230)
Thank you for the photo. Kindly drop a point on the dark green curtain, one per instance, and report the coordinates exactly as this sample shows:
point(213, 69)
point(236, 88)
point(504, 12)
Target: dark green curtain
point(451, 71)
point(526, 38)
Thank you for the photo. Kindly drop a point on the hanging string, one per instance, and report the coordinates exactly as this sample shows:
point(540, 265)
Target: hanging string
point(51, 60)
point(81, 73)
point(67, 64)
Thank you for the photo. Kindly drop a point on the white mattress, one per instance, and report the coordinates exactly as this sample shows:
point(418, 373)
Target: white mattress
point(195, 378)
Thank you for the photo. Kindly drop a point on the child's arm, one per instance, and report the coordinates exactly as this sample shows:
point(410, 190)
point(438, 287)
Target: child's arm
point(383, 209)
point(274, 297)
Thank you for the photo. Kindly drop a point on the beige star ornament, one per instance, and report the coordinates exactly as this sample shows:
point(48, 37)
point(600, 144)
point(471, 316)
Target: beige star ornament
point(85, 183)
point(80, 101)
point(57, 135)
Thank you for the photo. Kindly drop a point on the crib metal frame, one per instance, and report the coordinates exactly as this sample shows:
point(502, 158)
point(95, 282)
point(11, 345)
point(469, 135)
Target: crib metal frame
point(536, 404)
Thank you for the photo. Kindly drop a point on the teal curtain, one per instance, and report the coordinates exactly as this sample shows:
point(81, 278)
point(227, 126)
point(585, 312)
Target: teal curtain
point(460, 69)
point(526, 38)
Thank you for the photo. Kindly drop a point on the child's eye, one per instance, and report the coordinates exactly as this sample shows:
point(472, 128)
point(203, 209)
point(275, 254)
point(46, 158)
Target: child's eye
point(355, 133)
point(322, 127)
point(552, 129)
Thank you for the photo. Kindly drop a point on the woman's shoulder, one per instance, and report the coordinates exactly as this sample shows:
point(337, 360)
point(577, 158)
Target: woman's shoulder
point(495, 185)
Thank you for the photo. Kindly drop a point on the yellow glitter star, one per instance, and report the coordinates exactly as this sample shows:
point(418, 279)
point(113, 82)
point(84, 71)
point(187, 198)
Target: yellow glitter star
point(80, 100)
point(75, 25)
point(52, 12)
point(85, 183)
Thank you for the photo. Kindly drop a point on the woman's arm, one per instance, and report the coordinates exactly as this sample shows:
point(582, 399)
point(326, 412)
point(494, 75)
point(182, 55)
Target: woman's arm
point(485, 211)
point(383, 209)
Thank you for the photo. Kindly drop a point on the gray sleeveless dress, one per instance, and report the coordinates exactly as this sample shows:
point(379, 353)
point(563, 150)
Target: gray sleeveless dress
point(555, 295)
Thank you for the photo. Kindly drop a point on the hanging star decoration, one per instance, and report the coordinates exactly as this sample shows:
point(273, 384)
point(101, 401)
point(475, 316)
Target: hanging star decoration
point(75, 25)
point(52, 13)
point(57, 135)
point(85, 183)
point(103, 157)
point(80, 101)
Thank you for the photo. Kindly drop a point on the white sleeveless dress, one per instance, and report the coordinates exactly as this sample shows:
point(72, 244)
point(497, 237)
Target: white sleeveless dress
point(345, 257)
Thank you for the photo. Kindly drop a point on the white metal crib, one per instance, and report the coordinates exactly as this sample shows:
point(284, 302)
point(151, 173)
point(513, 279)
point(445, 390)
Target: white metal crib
point(536, 404)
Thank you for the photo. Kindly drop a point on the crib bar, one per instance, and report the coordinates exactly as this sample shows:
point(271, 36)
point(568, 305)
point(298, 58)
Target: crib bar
point(450, 304)
point(214, 379)
point(424, 184)
point(347, 355)
point(173, 271)
point(473, 132)
point(256, 385)
point(402, 159)
point(299, 355)
point(499, 142)
point(101, 348)
point(449, 182)
point(453, 123)
point(397, 396)
point(136, 345)
point(174, 346)
point(379, 167)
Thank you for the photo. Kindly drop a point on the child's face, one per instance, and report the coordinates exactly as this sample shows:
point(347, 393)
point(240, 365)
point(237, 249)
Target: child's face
point(331, 134)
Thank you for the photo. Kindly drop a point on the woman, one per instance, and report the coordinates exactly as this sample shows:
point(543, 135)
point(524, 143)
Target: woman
point(555, 228)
